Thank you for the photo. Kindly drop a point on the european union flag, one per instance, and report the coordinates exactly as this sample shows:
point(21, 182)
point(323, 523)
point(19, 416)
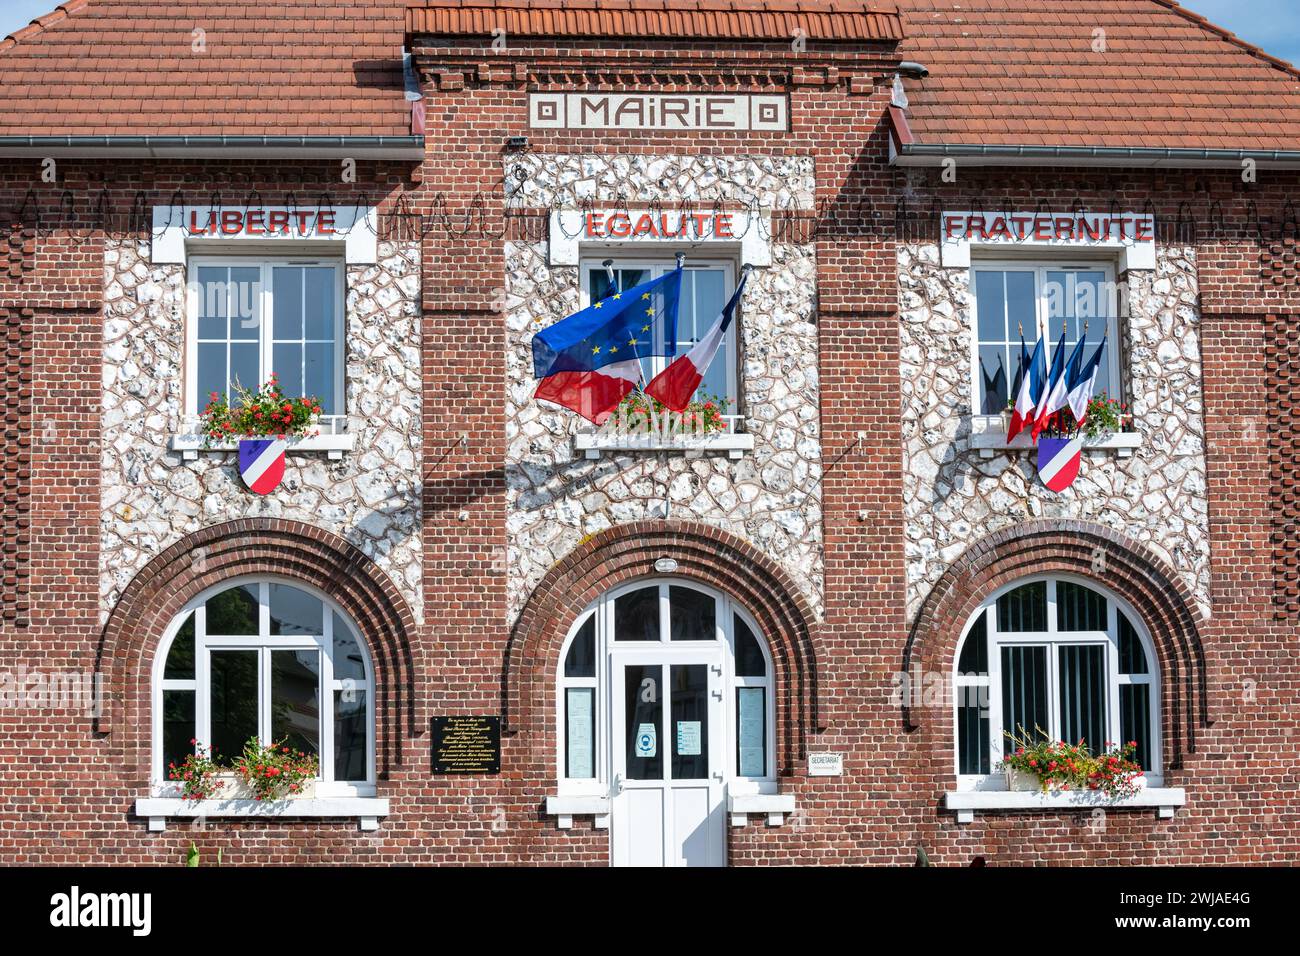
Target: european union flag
point(625, 325)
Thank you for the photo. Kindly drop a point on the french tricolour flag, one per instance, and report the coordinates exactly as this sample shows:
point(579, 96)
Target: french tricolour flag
point(261, 463)
point(675, 385)
point(1058, 384)
point(1082, 385)
point(1029, 388)
point(588, 362)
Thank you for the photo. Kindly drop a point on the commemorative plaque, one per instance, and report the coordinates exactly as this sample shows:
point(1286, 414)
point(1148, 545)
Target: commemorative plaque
point(467, 744)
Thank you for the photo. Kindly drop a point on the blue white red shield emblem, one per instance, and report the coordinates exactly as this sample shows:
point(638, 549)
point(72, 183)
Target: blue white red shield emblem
point(261, 463)
point(1058, 461)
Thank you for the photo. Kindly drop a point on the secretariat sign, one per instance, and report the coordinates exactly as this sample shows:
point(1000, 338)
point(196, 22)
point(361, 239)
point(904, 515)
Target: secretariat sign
point(658, 111)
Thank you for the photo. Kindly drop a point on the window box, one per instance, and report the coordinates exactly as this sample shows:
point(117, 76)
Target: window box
point(989, 437)
point(565, 808)
point(595, 444)
point(775, 806)
point(334, 440)
point(966, 803)
point(366, 810)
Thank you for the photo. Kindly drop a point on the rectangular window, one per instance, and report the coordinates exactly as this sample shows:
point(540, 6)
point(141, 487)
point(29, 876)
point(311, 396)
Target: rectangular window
point(580, 733)
point(1024, 691)
point(751, 731)
point(295, 699)
point(254, 318)
point(705, 290)
point(1082, 676)
point(1041, 301)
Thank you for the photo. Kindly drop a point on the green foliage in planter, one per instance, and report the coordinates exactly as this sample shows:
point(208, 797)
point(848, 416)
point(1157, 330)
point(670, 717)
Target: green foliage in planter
point(196, 775)
point(702, 416)
point(1105, 416)
point(264, 413)
point(1071, 766)
point(275, 771)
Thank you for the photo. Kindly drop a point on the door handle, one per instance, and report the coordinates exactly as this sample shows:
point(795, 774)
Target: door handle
point(618, 784)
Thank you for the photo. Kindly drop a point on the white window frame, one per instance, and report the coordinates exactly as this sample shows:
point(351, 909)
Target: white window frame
point(606, 648)
point(1040, 267)
point(193, 407)
point(657, 266)
point(1053, 639)
point(264, 643)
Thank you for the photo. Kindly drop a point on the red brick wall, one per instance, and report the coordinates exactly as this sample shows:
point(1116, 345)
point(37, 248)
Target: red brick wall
point(1241, 788)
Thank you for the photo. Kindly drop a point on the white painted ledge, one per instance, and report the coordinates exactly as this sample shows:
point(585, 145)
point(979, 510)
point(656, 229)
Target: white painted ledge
point(775, 806)
point(334, 446)
point(366, 810)
point(989, 438)
point(595, 444)
point(966, 803)
point(564, 809)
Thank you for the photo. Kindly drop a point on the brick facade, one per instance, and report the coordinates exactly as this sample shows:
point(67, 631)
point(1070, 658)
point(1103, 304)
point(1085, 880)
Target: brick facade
point(1230, 678)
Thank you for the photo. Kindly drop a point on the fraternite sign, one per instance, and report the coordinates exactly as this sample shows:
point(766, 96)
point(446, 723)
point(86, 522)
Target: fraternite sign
point(1131, 235)
point(658, 111)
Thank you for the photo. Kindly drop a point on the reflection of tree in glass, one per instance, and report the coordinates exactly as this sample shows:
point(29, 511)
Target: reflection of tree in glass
point(295, 714)
point(234, 701)
point(180, 658)
point(233, 612)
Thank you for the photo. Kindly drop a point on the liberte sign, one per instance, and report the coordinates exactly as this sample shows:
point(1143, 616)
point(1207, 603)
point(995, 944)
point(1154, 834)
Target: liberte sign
point(657, 111)
point(178, 228)
point(1132, 235)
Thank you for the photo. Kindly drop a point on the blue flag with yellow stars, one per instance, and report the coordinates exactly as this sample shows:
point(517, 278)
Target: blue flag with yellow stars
point(631, 324)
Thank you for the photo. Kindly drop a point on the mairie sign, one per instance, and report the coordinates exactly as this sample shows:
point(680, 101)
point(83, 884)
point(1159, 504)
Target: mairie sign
point(658, 111)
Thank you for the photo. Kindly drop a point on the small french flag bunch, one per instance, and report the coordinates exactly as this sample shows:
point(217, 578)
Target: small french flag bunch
point(1041, 392)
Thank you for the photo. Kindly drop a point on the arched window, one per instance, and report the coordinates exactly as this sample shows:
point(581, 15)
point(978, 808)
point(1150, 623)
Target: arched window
point(1057, 657)
point(272, 660)
point(707, 653)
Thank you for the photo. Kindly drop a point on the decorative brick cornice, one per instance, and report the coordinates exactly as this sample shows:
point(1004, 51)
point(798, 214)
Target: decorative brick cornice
point(15, 464)
point(256, 546)
point(1282, 370)
point(703, 553)
point(1045, 547)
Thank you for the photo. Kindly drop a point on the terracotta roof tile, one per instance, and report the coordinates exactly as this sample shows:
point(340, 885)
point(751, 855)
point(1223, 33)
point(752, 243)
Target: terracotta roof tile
point(128, 67)
point(846, 20)
point(1017, 72)
point(1165, 78)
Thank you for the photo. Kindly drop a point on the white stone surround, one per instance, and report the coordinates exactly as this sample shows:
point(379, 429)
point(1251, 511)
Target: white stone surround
point(953, 497)
point(151, 497)
point(772, 497)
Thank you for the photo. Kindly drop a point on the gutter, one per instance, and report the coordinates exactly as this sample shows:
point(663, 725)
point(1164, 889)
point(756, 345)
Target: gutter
point(934, 154)
point(217, 147)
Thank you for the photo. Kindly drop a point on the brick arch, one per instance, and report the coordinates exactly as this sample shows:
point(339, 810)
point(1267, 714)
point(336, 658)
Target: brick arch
point(253, 546)
point(1088, 550)
point(628, 552)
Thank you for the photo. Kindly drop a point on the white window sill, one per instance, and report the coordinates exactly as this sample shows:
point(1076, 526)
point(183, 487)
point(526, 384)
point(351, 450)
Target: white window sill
point(594, 444)
point(335, 446)
point(989, 437)
point(774, 806)
point(565, 808)
point(366, 810)
point(966, 803)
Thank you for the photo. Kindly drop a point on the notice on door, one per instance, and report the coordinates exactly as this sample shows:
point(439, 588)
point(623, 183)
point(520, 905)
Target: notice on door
point(647, 741)
point(688, 738)
point(467, 744)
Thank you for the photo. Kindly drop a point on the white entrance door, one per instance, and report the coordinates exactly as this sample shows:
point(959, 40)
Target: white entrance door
point(668, 756)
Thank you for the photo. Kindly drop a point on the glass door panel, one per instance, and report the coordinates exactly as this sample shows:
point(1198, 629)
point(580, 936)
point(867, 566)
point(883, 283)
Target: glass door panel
point(690, 716)
point(643, 729)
